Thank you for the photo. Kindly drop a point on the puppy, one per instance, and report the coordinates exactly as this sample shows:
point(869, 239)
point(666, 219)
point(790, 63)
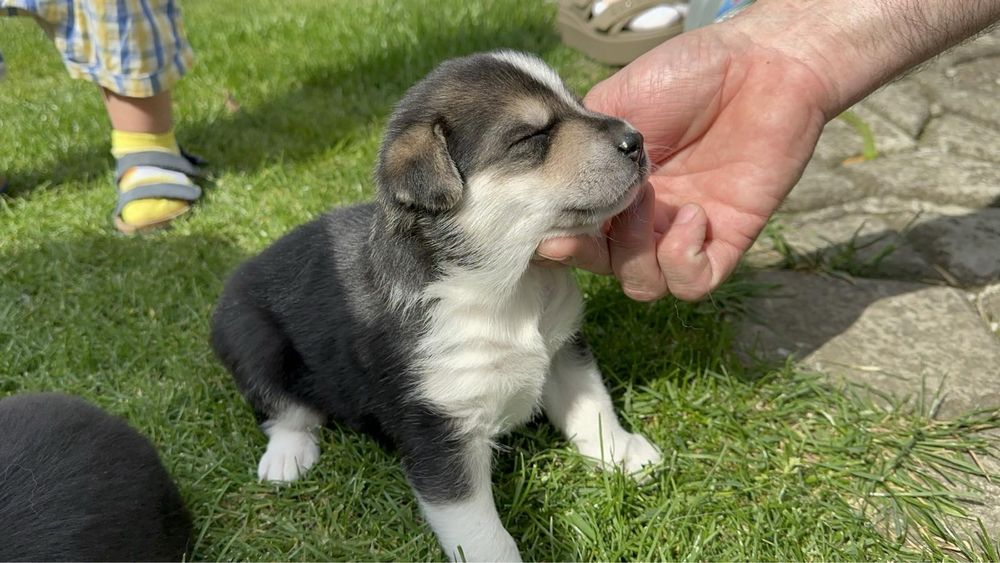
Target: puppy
point(77, 484)
point(420, 318)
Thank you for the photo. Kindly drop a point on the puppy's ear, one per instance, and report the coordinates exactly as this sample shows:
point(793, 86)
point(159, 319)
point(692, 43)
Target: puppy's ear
point(415, 169)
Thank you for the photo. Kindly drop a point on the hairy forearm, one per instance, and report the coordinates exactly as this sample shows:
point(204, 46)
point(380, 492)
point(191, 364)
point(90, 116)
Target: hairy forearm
point(855, 46)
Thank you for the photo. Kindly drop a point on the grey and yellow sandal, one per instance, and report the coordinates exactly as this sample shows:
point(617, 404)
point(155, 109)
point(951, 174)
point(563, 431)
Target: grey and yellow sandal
point(605, 36)
point(160, 176)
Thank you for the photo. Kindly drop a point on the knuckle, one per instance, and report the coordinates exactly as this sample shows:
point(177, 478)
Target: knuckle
point(675, 248)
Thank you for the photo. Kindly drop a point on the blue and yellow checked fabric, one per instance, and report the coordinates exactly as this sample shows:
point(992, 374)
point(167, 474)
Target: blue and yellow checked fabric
point(134, 48)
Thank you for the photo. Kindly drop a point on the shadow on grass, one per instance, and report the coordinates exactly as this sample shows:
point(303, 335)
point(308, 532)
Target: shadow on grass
point(109, 305)
point(334, 100)
point(122, 322)
point(637, 342)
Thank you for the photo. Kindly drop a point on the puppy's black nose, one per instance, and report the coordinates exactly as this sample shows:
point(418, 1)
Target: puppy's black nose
point(630, 144)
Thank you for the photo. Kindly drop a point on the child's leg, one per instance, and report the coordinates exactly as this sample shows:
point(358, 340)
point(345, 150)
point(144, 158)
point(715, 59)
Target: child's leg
point(135, 51)
point(144, 125)
point(140, 115)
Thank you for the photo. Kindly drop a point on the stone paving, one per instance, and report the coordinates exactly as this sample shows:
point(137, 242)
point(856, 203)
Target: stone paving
point(887, 271)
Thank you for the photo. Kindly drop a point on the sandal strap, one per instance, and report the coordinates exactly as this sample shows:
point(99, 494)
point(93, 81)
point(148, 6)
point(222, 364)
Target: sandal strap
point(158, 191)
point(617, 15)
point(182, 163)
point(194, 159)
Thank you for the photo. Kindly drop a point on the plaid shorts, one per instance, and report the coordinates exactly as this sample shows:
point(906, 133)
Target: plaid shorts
point(134, 48)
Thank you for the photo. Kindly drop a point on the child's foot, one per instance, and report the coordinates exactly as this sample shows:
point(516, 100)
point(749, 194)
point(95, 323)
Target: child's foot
point(664, 15)
point(154, 181)
point(617, 31)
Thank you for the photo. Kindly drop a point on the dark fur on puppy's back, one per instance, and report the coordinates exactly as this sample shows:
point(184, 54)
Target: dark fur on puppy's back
point(77, 484)
point(302, 323)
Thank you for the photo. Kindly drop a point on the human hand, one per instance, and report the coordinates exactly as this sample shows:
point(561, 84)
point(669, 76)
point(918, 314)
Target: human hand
point(729, 125)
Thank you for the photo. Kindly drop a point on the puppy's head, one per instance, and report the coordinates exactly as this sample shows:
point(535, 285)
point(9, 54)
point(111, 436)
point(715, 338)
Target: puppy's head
point(495, 142)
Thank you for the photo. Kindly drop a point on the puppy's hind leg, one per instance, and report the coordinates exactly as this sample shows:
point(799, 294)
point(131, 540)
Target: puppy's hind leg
point(264, 363)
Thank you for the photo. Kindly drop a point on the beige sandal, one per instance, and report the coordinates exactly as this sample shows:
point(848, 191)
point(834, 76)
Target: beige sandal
point(604, 37)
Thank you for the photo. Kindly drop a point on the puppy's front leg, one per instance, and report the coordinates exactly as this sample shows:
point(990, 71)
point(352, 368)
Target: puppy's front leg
point(456, 496)
point(576, 401)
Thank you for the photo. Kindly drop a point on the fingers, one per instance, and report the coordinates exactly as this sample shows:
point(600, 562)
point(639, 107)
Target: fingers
point(604, 97)
point(678, 263)
point(632, 246)
point(682, 255)
point(589, 253)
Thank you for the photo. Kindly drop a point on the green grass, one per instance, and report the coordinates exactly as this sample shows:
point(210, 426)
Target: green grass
point(848, 258)
point(762, 463)
point(868, 150)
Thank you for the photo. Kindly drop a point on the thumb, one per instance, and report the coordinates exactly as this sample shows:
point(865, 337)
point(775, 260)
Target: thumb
point(632, 245)
point(605, 97)
point(682, 255)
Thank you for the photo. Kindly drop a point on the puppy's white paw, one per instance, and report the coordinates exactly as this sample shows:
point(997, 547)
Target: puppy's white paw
point(623, 451)
point(501, 549)
point(289, 454)
point(639, 452)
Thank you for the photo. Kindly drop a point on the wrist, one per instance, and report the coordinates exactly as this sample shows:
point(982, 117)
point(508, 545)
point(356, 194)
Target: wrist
point(855, 46)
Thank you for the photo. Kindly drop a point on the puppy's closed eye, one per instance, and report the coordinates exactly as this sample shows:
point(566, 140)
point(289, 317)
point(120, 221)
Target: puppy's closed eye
point(534, 135)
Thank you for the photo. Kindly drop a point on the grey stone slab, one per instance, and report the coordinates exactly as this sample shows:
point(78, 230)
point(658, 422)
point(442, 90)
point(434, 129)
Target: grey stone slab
point(970, 88)
point(900, 212)
point(988, 303)
point(980, 74)
point(861, 244)
point(958, 135)
point(838, 142)
point(821, 187)
point(932, 176)
point(898, 337)
point(904, 103)
point(986, 45)
point(841, 141)
point(763, 255)
point(967, 246)
point(978, 107)
point(889, 137)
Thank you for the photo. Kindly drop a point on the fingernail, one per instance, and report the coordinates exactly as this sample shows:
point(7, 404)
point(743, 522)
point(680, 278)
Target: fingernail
point(546, 257)
point(640, 295)
point(564, 260)
point(686, 214)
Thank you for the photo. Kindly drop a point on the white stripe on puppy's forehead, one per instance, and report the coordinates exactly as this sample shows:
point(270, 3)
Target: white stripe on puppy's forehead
point(534, 67)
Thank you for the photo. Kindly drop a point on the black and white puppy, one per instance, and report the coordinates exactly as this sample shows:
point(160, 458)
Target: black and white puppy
point(420, 318)
point(78, 484)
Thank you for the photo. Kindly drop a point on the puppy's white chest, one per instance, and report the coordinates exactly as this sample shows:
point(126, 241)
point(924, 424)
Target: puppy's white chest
point(487, 365)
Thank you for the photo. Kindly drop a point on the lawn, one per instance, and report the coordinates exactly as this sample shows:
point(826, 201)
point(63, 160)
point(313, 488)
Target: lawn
point(287, 102)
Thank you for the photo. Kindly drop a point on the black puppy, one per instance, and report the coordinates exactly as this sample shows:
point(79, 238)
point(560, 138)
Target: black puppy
point(421, 318)
point(77, 484)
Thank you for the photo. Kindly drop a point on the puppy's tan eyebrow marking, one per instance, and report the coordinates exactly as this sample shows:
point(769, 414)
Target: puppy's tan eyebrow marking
point(531, 111)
